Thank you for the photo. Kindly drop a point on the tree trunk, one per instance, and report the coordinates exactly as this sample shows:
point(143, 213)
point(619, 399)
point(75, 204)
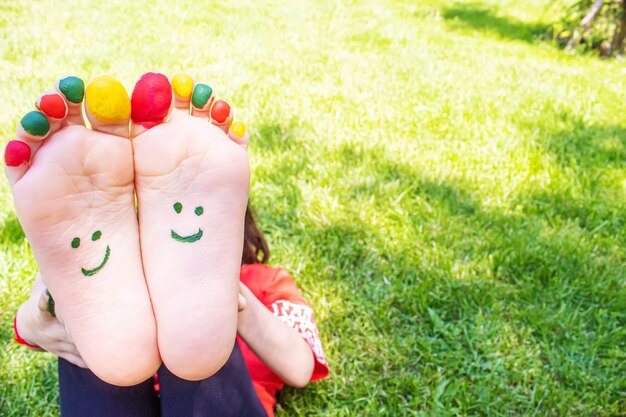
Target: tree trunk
point(586, 23)
point(617, 44)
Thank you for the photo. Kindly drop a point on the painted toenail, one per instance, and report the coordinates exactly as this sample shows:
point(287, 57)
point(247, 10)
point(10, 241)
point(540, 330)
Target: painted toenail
point(16, 153)
point(151, 100)
point(220, 111)
point(73, 88)
point(107, 100)
point(183, 85)
point(35, 123)
point(239, 129)
point(52, 105)
point(201, 95)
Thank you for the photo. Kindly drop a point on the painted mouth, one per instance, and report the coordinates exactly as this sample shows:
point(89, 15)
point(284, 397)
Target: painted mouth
point(90, 272)
point(187, 239)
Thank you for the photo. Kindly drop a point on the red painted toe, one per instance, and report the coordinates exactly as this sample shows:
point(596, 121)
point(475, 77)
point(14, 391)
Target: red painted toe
point(220, 111)
point(16, 153)
point(52, 105)
point(151, 100)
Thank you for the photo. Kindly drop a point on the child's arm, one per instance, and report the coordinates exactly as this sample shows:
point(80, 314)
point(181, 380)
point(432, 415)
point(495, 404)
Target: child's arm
point(35, 324)
point(279, 346)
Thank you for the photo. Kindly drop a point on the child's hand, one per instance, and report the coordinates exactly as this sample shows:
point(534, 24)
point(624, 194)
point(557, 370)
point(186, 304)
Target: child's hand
point(37, 326)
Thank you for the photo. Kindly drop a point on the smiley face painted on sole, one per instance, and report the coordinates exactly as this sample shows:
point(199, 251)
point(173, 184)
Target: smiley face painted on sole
point(178, 208)
point(93, 271)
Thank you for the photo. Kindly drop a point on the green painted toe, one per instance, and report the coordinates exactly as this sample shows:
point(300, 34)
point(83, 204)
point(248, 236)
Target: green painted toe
point(35, 123)
point(201, 95)
point(73, 88)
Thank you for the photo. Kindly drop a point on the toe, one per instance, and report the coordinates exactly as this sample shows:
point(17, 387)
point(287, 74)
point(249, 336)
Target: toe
point(17, 155)
point(107, 106)
point(182, 84)
point(72, 89)
point(31, 132)
point(53, 105)
point(239, 134)
point(222, 115)
point(34, 127)
point(201, 100)
point(150, 102)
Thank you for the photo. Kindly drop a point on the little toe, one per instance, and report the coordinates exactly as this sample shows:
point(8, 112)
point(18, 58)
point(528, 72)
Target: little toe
point(222, 115)
point(72, 89)
point(239, 134)
point(34, 127)
point(17, 156)
point(201, 100)
point(150, 102)
point(107, 106)
point(182, 84)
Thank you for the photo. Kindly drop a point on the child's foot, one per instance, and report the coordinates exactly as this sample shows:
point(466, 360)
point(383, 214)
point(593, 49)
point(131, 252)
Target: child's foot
point(73, 190)
point(192, 189)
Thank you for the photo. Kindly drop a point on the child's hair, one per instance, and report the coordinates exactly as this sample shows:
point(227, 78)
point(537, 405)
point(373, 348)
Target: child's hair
point(255, 250)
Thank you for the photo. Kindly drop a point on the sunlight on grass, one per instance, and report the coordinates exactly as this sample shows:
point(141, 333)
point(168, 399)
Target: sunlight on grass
point(446, 187)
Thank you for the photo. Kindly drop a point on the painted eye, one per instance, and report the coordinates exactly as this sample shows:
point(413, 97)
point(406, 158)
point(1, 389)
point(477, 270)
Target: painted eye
point(96, 235)
point(76, 242)
point(199, 210)
point(178, 207)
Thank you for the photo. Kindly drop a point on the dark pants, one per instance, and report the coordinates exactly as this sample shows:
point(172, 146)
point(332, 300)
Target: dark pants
point(227, 393)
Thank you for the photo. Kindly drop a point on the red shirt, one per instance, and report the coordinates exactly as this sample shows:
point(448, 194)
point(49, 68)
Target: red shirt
point(275, 288)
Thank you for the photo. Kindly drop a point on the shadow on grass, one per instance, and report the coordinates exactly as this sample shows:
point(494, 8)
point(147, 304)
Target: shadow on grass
point(465, 302)
point(588, 146)
point(279, 165)
point(478, 17)
point(596, 157)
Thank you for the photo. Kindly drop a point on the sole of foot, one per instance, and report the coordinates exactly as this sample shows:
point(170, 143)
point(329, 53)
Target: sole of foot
point(192, 178)
point(74, 195)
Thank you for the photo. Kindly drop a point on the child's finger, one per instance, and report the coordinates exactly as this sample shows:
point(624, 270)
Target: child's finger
point(59, 332)
point(69, 348)
point(42, 302)
point(45, 303)
point(242, 303)
point(59, 318)
point(73, 359)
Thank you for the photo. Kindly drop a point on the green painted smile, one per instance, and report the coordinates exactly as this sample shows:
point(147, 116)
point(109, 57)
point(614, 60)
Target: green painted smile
point(178, 208)
point(187, 239)
point(90, 272)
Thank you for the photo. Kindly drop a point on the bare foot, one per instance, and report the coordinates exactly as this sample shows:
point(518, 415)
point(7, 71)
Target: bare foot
point(73, 190)
point(192, 178)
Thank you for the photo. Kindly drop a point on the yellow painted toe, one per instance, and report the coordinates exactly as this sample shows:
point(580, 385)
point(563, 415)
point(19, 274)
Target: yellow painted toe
point(107, 100)
point(238, 129)
point(183, 85)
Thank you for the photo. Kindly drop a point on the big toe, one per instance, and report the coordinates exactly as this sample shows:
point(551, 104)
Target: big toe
point(107, 106)
point(151, 102)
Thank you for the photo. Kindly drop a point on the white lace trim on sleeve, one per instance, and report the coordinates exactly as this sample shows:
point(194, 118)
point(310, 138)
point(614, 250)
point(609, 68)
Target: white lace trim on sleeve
point(300, 318)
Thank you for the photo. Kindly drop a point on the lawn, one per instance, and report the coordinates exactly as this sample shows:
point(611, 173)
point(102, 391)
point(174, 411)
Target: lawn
point(446, 187)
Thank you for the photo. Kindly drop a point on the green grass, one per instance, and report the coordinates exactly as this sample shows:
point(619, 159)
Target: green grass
point(447, 188)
